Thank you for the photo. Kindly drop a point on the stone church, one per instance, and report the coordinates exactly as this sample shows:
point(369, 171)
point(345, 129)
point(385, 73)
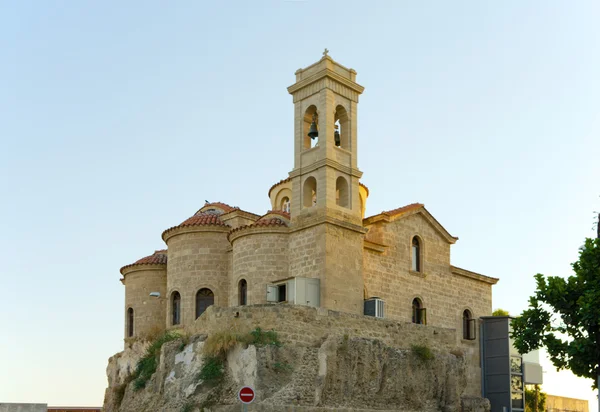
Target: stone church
point(315, 246)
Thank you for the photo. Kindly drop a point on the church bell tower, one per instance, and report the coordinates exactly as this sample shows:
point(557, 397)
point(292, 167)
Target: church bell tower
point(326, 216)
point(325, 176)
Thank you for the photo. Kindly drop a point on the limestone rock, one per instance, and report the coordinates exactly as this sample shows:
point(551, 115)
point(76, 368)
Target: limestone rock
point(350, 374)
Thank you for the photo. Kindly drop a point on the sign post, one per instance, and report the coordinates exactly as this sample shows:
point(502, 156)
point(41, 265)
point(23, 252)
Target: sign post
point(246, 396)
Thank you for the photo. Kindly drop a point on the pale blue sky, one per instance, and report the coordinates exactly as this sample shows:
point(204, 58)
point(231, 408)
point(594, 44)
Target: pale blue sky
point(118, 119)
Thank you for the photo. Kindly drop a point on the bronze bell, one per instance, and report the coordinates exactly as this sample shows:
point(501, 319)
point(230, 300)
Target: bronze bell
point(336, 137)
point(313, 131)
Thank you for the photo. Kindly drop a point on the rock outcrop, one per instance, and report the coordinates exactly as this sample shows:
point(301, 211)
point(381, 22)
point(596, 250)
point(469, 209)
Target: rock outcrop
point(353, 374)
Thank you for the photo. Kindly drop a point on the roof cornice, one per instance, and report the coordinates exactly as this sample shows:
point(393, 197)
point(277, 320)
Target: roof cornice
point(477, 276)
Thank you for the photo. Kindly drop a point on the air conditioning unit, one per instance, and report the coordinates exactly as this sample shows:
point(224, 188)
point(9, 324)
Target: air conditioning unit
point(374, 307)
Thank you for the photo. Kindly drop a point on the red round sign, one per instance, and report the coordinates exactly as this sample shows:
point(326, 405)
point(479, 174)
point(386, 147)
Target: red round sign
point(246, 395)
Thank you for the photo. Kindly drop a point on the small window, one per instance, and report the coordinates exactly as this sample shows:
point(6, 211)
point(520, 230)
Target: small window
point(419, 314)
point(204, 299)
point(129, 322)
point(176, 308)
point(243, 292)
point(416, 255)
point(285, 205)
point(468, 325)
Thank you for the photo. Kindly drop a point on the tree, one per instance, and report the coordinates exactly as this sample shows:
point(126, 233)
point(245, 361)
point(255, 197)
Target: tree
point(530, 405)
point(500, 312)
point(564, 317)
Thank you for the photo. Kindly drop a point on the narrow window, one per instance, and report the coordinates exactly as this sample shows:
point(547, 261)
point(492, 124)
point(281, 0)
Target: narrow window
point(468, 326)
point(285, 205)
point(243, 291)
point(418, 312)
point(204, 298)
point(129, 322)
point(416, 255)
point(176, 308)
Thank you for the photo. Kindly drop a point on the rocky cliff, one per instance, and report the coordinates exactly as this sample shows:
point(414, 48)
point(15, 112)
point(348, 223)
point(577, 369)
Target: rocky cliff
point(204, 373)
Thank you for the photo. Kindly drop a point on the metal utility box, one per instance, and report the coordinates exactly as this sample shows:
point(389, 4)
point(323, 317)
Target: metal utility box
point(374, 307)
point(502, 366)
point(297, 291)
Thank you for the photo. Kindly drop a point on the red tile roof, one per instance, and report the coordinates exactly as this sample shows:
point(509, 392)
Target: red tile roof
point(157, 258)
point(225, 207)
point(199, 219)
point(271, 221)
point(277, 212)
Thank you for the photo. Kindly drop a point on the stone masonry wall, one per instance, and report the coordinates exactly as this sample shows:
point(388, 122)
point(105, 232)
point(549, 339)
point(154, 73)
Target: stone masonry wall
point(445, 295)
point(260, 259)
point(307, 252)
point(148, 312)
point(342, 286)
point(306, 326)
point(197, 260)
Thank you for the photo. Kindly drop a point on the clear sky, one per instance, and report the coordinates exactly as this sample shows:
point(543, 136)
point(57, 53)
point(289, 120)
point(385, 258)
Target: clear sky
point(118, 119)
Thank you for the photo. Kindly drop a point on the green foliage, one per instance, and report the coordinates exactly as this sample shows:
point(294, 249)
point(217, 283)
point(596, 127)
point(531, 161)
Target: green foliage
point(146, 366)
point(564, 316)
point(530, 400)
point(500, 312)
point(212, 369)
point(258, 337)
point(422, 352)
point(282, 367)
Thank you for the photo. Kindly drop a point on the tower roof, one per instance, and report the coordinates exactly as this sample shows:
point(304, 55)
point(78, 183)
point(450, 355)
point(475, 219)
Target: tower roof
point(159, 257)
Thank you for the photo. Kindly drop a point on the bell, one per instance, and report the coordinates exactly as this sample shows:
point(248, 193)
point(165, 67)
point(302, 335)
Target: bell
point(336, 138)
point(313, 132)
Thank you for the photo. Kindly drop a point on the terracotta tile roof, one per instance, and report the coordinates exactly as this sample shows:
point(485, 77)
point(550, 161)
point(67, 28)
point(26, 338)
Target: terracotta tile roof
point(279, 183)
point(225, 207)
point(270, 221)
point(265, 221)
point(277, 212)
point(157, 258)
point(199, 219)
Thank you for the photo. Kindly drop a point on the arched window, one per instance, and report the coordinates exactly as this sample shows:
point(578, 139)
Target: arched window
point(243, 292)
point(468, 325)
point(204, 298)
point(310, 192)
point(285, 204)
point(416, 255)
point(129, 322)
point(176, 308)
point(419, 315)
point(341, 192)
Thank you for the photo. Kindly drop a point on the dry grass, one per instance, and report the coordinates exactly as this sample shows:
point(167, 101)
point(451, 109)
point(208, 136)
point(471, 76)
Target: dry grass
point(219, 343)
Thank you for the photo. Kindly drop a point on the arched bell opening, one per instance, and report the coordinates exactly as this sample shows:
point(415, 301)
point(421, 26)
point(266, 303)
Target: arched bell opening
point(309, 192)
point(341, 135)
point(310, 129)
point(342, 195)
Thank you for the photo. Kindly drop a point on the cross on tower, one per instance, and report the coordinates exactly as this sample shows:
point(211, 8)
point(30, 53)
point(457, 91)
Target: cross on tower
point(325, 52)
